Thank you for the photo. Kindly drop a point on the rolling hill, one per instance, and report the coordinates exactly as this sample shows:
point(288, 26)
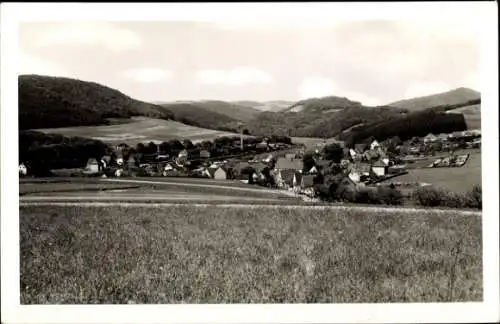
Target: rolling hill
point(50, 102)
point(452, 97)
point(191, 113)
point(232, 110)
point(319, 117)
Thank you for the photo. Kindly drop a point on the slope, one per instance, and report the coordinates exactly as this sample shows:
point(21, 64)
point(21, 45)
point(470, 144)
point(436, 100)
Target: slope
point(319, 117)
point(191, 113)
point(231, 110)
point(49, 102)
point(452, 97)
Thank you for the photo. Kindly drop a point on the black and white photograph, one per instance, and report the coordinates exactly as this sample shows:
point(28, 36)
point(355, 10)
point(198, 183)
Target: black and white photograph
point(215, 155)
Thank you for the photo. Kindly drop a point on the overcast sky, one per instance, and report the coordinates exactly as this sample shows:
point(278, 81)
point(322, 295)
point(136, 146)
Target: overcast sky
point(375, 62)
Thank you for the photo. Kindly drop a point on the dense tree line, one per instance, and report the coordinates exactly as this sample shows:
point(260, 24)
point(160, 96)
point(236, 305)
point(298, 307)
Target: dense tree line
point(415, 124)
point(49, 102)
point(43, 152)
point(318, 123)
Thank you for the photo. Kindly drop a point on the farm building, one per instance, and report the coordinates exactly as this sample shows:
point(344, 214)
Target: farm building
point(380, 168)
point(92, 166)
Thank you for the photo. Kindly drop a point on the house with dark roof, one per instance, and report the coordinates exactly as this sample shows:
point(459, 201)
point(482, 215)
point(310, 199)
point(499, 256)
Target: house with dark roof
point(284, 163)
point(284, 178)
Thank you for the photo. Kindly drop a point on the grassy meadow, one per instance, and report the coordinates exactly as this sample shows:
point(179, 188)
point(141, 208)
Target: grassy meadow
point(459, 179)
point(188, 254)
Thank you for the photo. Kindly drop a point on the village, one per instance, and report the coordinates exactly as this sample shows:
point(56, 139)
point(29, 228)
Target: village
point(284, 166)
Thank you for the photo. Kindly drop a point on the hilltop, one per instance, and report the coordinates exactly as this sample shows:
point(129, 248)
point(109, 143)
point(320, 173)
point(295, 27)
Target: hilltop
point(323, 104)
point(50, 102)
point(319, 117)
point(452, 97)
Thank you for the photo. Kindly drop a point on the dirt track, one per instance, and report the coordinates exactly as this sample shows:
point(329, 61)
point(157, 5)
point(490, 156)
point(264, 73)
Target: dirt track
point(126, 202)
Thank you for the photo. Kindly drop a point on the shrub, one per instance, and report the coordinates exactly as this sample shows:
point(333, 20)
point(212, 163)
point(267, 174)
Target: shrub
point(474, 198)
point(453, 200)
point(390, 195)
point(367, 196)
point(428, 196)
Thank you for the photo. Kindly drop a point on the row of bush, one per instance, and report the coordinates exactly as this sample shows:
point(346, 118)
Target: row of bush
point(425, 196)
point(435, 197)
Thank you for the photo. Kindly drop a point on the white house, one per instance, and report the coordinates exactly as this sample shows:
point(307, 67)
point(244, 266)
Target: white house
point(379, 168)
point(313, 170)
point(23, 170)
point(374, 145)
point(354, 176)
point(92, 166)
point(168, 167)
point(119, 160)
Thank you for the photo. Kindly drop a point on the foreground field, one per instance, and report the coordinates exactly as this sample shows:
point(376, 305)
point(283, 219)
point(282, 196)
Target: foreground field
point(189, 254)
point(141, 129)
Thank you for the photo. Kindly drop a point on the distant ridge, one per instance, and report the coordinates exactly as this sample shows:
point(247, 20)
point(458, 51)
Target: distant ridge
point(452, 97)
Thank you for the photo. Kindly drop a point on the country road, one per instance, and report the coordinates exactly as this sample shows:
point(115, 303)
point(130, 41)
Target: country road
point(204, 185)
point(125, 202)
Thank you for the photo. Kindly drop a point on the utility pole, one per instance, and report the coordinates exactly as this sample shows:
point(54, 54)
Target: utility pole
point(241, 140)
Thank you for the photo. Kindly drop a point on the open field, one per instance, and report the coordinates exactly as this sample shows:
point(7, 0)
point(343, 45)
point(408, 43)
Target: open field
point(141, 129)
point(148, 189)
point(191, 254)
point(458, 179)
point(310, 142)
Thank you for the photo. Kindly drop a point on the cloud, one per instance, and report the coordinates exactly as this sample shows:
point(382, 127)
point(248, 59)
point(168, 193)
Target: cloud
point(29, 64)
point(148, 75)
point(234, 77)
point(316, 87)
point(90, 33)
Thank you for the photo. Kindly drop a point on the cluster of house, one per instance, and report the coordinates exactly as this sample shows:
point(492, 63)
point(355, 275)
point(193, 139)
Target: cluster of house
point(450, 161)
point(472, 138)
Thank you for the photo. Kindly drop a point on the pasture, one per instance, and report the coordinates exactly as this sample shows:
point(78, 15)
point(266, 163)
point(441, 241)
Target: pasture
point(140, 129)
point(458, 179)
point(311, 142)
point(190, 254)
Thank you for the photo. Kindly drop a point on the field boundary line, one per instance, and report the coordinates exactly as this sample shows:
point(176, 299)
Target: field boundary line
point(250, 206)
point(202, 185)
